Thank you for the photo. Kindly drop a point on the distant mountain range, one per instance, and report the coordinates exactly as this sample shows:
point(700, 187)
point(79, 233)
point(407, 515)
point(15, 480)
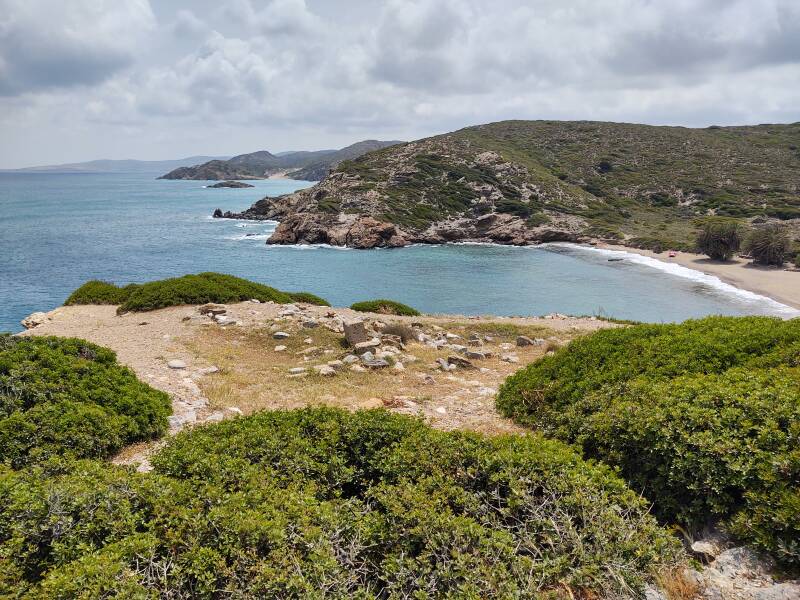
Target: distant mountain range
point(117, 166)
point(303, 165)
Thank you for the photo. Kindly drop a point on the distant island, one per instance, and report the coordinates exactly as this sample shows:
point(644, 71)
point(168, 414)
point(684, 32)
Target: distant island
point(303, 165)
point(526, 182)
point(231, 184)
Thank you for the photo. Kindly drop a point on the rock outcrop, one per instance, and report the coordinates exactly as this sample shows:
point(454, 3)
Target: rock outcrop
point(528, 182)
point(231, 184)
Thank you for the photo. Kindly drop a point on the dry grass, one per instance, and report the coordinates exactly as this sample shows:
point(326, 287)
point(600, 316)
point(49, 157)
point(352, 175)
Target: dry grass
point(677, 585)
point(253, 376)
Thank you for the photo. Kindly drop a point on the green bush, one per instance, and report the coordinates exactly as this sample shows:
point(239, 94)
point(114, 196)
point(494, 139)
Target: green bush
point(100, 292)
point(308, 298)
point(324, 503)
point(67, 396)
point(701, 417)
point(769, 245)
point(189, 289)
point(385, 307)
point(719, 239)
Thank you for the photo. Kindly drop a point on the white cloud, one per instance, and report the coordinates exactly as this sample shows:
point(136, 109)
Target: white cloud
point(46, 45)
point(297, 75)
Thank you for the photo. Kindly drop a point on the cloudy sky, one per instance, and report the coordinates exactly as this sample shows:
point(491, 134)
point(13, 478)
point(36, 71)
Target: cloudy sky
point(84, 79)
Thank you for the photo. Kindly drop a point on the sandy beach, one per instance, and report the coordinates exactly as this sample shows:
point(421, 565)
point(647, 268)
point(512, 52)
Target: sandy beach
point(782, 285)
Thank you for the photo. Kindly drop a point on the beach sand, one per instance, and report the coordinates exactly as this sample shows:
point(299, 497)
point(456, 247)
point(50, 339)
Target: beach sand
point(779, 284)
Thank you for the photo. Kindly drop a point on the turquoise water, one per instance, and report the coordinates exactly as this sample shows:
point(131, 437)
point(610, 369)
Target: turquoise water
point(57, 231)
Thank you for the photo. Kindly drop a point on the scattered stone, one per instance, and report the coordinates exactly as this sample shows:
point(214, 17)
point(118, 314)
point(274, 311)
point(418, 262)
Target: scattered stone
point(224, 319)
point(255, 300)
point(355, 332)
point(457, 348)
point(392, 340)
point(452, 336)
point(297, 370)
point(398, 366)
point(477, 355)
point(350, 359)
point(310, 350)
point(209, 370)
point(362, 347)
point(357, 369)
point(462, 363)
point(325, 370)
point(146, 323)
point(377, 363)
point(441, 410)
point(338, 365)
point(371, 403)
point(176, 364)
point(509, 358)
point(476, 341)
point(280, 348)
point(235, 409)
point(445, 365)
point(34, 320)
point(212, 309)
point(215, 417)
point(428, 380)
point(310, 324)
point(705, 549)
point(308, 341)
point(367, 356)
point(280, 335)
point(523, 340)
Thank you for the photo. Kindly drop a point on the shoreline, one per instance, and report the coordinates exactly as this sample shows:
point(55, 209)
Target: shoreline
point(778, 284)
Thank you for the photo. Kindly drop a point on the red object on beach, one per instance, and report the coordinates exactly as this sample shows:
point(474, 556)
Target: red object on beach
point(672, 254)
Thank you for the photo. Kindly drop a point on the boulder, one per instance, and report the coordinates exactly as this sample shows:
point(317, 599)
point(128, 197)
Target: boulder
point(280, 335)
point(297, 370)
point(280, 348)
point(176, 364)
point(325, 370)
point(376, 363)
point(362, 347)
point(355, 332)
point(460, 362)
point(523, 340)
point(34, 320)
point(212, 309)
point(310, 324)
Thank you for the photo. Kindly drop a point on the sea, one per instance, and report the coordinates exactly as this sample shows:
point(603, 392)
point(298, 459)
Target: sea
point(60, 230)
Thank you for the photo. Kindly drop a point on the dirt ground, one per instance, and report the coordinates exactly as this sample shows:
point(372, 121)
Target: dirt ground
point(240, 368)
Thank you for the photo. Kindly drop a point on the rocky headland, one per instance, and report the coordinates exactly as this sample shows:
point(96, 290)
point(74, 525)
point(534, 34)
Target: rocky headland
point(528, 182)
point(231, 184)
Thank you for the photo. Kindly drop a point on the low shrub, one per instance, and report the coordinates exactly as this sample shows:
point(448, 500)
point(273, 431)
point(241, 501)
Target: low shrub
point(61, 396)
point(189, 289)
point(701, 417)
point(100, 292)
point(365, 505)
point(308, 298)
point(385, 307)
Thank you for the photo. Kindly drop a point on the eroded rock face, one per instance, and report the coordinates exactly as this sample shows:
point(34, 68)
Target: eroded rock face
point(353, 231)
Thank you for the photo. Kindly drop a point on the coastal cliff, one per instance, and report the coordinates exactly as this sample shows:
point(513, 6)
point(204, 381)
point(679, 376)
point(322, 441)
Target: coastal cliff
point(527, 182)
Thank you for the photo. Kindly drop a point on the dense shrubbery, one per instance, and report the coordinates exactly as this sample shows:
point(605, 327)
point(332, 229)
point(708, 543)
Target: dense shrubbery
point(365, 505)
point(703, 417)
point(719, 239)
point(386, 307)
point(189, 289)
point(69, 397)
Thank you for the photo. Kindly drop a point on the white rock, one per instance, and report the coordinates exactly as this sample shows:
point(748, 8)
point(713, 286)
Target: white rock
point(350, 359)
point(280, 348)
point(280, 335)
point(176, 364)
point(325, 370)
point(34, 320)
point(398, 366)
point(297, 370)
point(441, 410)
point(215, 417)
point(357, 369)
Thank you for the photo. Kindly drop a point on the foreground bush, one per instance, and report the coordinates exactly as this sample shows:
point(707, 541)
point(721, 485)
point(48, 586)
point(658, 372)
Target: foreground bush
point(189, 289)
point(323, 503)
point(385, 307)
point(719, 239)
point(702, 417)
point(69, 397)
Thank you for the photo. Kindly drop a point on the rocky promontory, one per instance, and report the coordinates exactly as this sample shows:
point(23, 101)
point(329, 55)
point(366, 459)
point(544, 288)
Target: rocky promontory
point(528, 182)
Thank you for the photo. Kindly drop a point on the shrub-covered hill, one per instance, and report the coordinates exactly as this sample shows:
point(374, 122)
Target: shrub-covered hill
point(702, 417)
point(69, 397)
point(189, 289)
point(519, 182)
point(323, 503)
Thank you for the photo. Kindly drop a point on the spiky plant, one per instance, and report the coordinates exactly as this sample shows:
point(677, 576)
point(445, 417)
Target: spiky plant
point(720, 239)
point(769, 245)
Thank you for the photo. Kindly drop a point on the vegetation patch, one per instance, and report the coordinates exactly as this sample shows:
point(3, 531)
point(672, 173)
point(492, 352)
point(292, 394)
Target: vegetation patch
point(189, 289)
point(386, 307)
point(702, 417)
point(365, 505)
point(61, 396)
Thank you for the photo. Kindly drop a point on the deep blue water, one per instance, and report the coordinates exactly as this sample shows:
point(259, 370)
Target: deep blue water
point(57, 231)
